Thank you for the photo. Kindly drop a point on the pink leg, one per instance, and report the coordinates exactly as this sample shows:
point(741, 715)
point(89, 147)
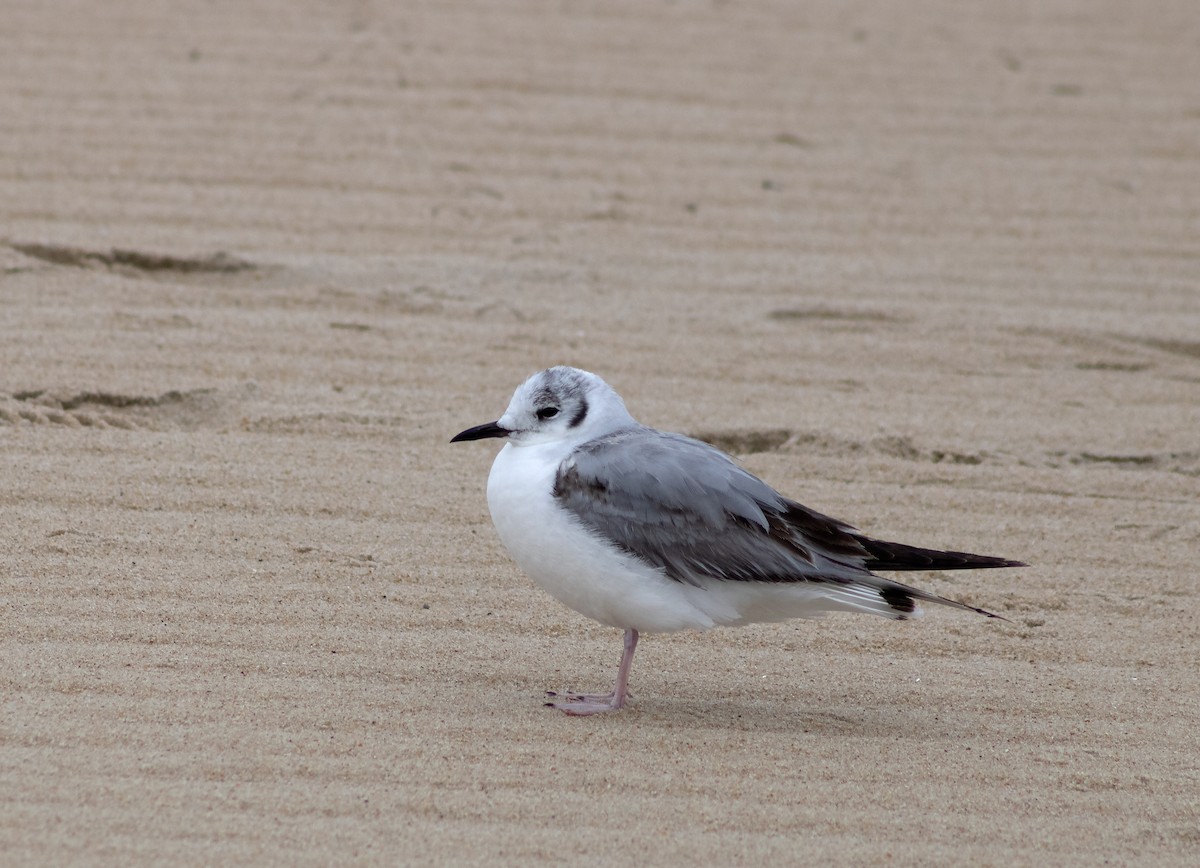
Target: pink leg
point(591, 703)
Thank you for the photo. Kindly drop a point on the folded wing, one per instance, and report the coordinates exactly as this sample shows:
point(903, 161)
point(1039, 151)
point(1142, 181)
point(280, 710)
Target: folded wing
point(688, 509)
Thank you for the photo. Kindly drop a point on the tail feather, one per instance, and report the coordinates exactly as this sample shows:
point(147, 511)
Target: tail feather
point(902, 599)
point(897, 556)
point(879, 596)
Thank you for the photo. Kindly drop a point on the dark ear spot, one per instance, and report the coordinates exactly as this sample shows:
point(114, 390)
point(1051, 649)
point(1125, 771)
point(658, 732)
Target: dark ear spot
point(580, 414)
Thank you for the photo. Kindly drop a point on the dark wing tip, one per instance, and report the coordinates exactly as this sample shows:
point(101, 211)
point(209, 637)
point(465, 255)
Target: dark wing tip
point(897, 556)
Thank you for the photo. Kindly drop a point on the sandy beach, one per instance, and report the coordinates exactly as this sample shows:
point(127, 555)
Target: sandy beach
point(931, 268)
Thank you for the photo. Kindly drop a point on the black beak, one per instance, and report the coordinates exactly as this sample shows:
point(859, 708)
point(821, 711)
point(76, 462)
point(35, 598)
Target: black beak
point(479, 432)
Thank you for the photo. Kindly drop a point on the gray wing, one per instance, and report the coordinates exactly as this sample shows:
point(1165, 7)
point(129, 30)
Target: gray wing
point(687, 508)
point(683, 506)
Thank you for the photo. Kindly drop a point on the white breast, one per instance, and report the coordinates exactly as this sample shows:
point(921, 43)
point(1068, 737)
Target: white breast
point(577, 568)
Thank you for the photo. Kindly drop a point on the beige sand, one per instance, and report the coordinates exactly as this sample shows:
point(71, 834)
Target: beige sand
point(929, 268)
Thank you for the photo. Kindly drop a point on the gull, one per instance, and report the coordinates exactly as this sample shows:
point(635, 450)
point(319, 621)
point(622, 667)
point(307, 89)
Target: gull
point(653, 532)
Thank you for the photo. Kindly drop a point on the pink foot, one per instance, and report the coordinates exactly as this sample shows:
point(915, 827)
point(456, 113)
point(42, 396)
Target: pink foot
point(581, 704)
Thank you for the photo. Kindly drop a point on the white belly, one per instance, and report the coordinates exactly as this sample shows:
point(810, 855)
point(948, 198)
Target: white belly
point(577, 568)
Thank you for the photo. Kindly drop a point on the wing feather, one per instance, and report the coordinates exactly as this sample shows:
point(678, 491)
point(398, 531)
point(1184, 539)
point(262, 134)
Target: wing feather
point(683, 506)
point(688, 509)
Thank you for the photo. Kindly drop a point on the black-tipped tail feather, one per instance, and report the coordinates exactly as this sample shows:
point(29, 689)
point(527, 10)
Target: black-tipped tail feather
point(902, 600)
point(897, 556)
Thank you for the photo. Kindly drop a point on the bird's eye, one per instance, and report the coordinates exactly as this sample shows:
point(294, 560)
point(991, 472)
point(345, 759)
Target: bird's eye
point(547, 412)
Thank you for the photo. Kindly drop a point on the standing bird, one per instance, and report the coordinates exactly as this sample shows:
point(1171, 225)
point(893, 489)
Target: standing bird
point(648, 531)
